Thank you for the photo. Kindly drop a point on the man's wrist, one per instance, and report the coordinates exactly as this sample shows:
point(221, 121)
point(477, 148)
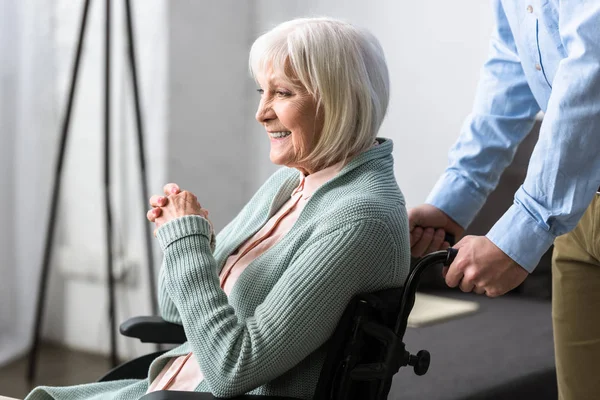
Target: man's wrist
point(457, 198)
point(520, 237)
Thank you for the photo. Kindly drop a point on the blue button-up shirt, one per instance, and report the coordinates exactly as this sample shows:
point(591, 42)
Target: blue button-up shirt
point(544, 55)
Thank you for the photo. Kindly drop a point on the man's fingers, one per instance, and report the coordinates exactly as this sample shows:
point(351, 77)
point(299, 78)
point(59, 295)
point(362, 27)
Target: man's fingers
point(437, 241)
point(422, 244)
point(171, 188)
point(453, 276)
point(466, 285)
point(416, 218)
point(415, 235)
point(479, 290)
point(413, 220)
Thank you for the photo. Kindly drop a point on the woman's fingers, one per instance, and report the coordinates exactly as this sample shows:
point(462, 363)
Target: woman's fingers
point(174, 204)
point(171, 188)
point(158, 201)
point(153, 213)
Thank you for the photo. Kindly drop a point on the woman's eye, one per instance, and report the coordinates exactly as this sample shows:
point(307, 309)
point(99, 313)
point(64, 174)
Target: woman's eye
point(279, 93)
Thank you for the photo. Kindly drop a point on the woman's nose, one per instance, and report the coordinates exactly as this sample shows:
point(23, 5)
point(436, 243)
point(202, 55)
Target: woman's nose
point(264, 112)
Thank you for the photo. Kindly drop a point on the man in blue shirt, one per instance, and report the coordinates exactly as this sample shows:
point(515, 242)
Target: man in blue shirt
point(544, 55)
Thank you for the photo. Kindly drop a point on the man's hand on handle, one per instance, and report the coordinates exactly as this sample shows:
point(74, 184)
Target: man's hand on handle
point(480, 266)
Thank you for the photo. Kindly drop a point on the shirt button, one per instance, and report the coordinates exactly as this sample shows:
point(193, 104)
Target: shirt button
point(529, 9)
point(538, 67)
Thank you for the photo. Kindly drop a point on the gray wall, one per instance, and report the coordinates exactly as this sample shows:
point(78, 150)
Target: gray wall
point(209, 148)
point(434, 51)
point(27, 113)
point(199, 105)
point(8, 90)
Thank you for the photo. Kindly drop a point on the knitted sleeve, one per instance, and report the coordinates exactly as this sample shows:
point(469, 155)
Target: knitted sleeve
point(282, 177)
point(167, 308)
point(298, 315)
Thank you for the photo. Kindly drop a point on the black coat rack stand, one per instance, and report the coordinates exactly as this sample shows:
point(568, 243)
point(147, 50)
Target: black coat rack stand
point(43, 282)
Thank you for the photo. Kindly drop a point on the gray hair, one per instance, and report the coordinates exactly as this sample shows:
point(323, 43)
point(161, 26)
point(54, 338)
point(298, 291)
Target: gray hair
point(343, 67)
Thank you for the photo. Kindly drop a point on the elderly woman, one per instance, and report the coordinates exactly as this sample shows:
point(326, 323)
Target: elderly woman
point(259, 306)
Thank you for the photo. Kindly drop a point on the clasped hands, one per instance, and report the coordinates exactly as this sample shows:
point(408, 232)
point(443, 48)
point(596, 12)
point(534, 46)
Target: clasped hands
point(480, 266)
point(174, 204)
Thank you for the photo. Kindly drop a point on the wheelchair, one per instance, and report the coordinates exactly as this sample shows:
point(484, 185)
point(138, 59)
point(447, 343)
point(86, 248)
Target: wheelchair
point(365, 351)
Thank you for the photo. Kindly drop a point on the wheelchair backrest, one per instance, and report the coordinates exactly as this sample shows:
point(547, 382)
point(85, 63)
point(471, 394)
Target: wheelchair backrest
point(352, 346)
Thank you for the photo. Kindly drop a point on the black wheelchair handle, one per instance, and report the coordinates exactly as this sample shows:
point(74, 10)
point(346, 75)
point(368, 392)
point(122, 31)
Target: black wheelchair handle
point(451, 256)
point(444, 257)
point(450, 238)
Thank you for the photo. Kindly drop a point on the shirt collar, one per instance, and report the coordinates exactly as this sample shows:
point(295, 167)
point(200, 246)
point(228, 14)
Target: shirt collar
point(309, 184)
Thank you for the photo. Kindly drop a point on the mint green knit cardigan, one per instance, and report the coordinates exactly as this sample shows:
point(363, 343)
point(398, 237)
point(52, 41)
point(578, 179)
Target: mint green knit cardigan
point(269, 336)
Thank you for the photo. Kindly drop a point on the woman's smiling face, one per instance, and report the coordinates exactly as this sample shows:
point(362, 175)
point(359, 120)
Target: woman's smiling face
point(289, 114)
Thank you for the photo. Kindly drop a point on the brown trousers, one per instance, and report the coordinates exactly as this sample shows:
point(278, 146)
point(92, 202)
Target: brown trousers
point(576, 308)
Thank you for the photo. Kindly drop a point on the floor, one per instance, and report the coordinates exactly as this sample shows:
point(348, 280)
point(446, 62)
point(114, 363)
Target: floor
point(56, 366)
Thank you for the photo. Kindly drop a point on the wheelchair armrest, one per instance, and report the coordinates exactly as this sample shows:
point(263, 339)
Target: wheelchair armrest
point(178, 395)
point(153, 329)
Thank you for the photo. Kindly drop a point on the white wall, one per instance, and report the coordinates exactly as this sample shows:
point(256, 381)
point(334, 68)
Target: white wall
point(434, 51)
point(209, 140)
point(199, 104)
point(28, 131)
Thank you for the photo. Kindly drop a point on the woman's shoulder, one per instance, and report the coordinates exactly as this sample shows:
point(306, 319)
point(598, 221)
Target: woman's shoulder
point(346, 205)
point(372, 183)
point(283, 174)
point(361, 195)
point(280, 179)
point(280, 184)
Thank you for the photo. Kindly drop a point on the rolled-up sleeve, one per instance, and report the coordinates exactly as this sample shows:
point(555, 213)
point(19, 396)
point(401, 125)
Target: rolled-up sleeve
point(564, 171)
